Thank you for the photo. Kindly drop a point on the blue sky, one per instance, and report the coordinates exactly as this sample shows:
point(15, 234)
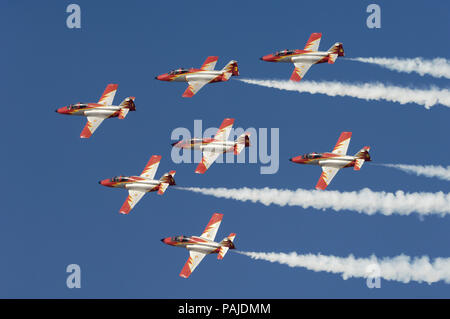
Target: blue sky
point(54, 213)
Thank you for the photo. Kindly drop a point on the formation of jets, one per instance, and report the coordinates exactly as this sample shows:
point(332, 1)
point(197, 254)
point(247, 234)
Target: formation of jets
point(201, 246)
point(212, 148)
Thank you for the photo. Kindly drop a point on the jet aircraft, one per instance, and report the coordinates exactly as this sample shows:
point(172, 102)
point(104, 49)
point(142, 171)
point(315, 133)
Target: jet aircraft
point(332, 162)
point(96, 113)
point(201, 246)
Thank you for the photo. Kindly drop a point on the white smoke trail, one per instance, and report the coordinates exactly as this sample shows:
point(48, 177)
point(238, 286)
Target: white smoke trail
point(364, 201)
point(438, 67)
point(400, 268)
point(440, 172)
point(365, 91)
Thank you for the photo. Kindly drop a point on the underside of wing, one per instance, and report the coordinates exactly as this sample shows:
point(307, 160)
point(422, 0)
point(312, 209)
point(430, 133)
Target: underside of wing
point(209, 63)
point(300, 71)
point(328, 174)
point(212, 227)
point(92, 123)
point(151, 167)
point(108, 95)
point(133, 198)
point(207, 160)
point(342, 144)
point(313, 42)
point(194, 259)
point(193, 88)
point(224, 130)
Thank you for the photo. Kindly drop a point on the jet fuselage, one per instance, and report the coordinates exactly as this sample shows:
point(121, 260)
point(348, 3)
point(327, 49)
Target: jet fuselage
point(198, 244)
point(298, 56)
point(206, 144)
point(186, 75)
point(137, 183)
point(326, 159)
point(90, 109)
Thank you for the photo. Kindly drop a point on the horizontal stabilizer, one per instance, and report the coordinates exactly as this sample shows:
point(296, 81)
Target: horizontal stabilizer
point(123, 113)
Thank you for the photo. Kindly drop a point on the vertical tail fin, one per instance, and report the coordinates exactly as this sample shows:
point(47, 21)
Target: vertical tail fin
point(337, 48)
point(362, 156)
point(241, 142)
point(231, 69)
point(226, 243)
point(166, 180)
point(126, 106)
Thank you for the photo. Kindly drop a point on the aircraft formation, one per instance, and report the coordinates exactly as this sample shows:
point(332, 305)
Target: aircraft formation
point(212, 148)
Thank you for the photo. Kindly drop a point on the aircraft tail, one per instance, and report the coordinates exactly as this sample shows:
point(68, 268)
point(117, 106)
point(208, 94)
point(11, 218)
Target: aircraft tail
point(338, 49)
point(362, 156)
point(231, 69)
point(166, 180)
point(241, 142)
point(226, 243)
point(126, 106)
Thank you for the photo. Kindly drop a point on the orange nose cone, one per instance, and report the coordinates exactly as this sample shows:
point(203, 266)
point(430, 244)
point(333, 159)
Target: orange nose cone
point(297, 159)
point(267, 58)
point(162, 77)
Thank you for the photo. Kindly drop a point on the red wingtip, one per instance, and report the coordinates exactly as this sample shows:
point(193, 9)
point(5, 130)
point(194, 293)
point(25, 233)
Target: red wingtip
point(201, 168)
point(295, 77)
point(188, 92)
point(86, 133)
point(321, 185)
point(125, 209)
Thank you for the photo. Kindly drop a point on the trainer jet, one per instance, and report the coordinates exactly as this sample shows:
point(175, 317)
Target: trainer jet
point(201, 246)
point(332, 162)
point(213, 147)
point(97, 112)
point(137, 186)
point(303, 59)
point(197, 78)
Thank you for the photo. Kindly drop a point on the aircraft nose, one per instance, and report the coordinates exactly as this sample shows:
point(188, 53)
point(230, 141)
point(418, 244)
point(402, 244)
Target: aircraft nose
point(261, 58)
point(100, 182)
point(290, 159)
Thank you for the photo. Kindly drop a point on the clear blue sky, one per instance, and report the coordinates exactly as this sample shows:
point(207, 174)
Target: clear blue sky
point(54, 213)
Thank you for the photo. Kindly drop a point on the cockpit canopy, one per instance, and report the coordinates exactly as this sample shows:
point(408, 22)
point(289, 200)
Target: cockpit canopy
point(181, 239)
point(284, 52)
point(178, 71)
point(118, 179)
point(312, 155)
point(77, 106)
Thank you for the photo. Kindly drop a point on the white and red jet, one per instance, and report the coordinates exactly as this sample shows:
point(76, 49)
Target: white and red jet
point(137, 186)
point(197, 78)
point(201, 246)
point(303, 59)
point(96, 113)
point(332, 162)
point(213, 147)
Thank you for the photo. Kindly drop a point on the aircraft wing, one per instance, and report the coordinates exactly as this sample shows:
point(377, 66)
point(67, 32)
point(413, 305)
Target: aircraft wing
point(92, 123)
point(212, 227)
point(328, 173)
point(133, 198)
point(209, 63)
point(194, 259)
point(313, 42)
point(194, 87)
point(108, 95)
point(342, 144)
point(300, 70)
point(207, 160)
point(151, 167)
point(224, 130)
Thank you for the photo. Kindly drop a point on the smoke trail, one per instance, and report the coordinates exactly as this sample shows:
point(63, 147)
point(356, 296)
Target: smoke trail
point(364, 201)
point(438, 67)
point(400, 268)
point(440, 172)
point(365, 91)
